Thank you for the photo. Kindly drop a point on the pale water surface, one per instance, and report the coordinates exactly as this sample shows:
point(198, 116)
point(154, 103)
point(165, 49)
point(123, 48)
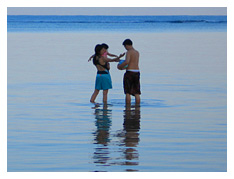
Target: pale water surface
point(181, 124)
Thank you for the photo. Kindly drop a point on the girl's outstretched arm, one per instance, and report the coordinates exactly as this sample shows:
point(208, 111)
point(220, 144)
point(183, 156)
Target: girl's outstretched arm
point(111, 55)
point(114, 59)
point(90, 58)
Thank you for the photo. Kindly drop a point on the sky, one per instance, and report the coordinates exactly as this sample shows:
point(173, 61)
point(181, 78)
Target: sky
point(117, 11)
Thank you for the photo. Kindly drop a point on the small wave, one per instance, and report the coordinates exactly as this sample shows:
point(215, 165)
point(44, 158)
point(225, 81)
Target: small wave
point(196, 21)
point(144, 103)
point(213, 21)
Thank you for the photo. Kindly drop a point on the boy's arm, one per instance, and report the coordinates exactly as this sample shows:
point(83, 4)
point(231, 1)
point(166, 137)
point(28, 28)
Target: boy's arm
point(90, 58)
point(126, 62)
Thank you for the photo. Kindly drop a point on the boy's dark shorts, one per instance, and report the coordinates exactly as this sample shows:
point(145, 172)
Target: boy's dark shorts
point(132, 83)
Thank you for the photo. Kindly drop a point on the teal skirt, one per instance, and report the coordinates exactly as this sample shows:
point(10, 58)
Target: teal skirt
point(103, 81)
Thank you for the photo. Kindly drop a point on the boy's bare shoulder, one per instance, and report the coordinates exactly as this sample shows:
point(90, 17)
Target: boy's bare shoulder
point(132, 52)
point(136, 52)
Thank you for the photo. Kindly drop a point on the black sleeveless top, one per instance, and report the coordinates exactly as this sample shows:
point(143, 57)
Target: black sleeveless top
point(96, 62)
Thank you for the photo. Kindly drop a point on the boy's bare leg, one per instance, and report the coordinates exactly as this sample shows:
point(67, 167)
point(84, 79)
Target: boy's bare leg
point(94, 95)
point(137, 99)
point(105, 93)
point(128, 99)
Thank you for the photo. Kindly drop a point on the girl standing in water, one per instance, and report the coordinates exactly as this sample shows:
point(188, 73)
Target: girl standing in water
point(103, 78)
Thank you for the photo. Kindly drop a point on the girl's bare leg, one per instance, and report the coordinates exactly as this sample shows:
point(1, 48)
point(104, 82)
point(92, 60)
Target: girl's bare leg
point(94, 95)
point(105, 93)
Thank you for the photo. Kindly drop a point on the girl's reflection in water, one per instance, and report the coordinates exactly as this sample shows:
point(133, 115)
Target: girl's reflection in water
point(127, 139)
point(103, 123)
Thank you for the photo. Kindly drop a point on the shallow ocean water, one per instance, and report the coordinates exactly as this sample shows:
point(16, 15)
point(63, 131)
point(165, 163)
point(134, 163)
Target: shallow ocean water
point(181, 124)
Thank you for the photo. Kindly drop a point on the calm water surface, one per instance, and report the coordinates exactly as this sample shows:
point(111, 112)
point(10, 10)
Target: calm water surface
point(180, 126)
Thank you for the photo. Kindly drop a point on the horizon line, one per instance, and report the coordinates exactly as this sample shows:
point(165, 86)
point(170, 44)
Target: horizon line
point(106, 15)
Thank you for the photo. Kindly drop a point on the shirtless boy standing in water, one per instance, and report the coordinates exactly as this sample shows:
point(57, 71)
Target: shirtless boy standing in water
point(132, 74)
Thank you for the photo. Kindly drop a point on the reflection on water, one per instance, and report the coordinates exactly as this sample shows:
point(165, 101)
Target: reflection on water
point(103, 123)
point(131, 138)
point(127, 138)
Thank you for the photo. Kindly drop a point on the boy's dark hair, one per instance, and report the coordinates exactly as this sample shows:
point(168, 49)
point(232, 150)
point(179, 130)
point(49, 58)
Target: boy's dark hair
point(105, 46)
point(127, 42)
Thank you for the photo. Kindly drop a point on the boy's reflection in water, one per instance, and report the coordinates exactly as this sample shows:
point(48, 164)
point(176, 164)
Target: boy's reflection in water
point(103, 123)
point(131, 139)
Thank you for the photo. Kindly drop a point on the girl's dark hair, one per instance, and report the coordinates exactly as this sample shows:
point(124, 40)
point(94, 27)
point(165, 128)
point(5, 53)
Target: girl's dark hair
point(97, 50)
point(105, 46)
